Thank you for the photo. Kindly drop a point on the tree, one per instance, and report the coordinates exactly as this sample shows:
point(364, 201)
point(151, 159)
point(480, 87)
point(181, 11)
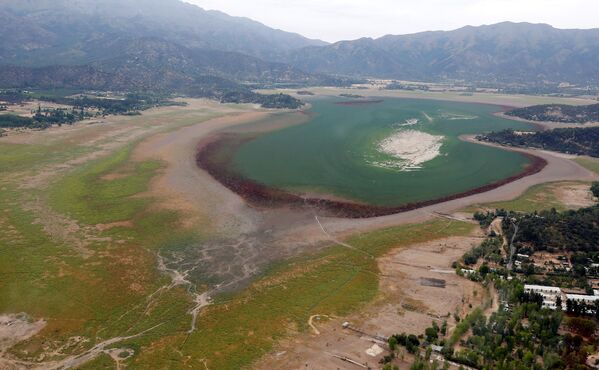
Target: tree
point(393, 343)
point(582, 326)
point(444, 328)
point(558, 303)
point(595, 189)
point(431, 335)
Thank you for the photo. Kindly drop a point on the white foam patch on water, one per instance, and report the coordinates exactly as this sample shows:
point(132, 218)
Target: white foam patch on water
point(410, 148)
point(409, 122)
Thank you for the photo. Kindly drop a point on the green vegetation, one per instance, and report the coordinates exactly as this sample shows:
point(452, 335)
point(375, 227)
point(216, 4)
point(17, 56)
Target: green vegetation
point(13, 121)
point(337, 152)
point(557, 231)
point(85, 281)
point(85, 288)
point(580, 141)
point(351, 96)
point(131, 103)
point(81, 108)
point(536, 198)
point(271, 101)
point(558, 113)
point(490, 250)
point(591, 164)
point(521, 336)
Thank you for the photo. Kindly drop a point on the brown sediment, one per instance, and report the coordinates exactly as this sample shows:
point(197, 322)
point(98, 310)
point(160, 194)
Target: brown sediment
point(217, 162)
point(360, 102)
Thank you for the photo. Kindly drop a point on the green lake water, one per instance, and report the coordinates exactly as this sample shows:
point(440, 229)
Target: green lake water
point(333, 153)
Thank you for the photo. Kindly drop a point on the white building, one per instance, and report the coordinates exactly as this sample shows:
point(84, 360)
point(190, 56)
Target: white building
point(582, 298)
point(549, 294)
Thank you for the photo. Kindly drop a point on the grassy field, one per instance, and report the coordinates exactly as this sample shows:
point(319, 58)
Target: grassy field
point(83, 281)
point(591, 164)
point(58, 264)
point(335, 152)
point(537, 198)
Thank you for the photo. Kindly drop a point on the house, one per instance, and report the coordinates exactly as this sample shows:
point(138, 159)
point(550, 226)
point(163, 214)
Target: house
point(549, 294)
point(582, 298)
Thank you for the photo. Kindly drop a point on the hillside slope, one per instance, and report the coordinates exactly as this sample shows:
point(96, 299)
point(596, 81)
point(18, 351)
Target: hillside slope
point(505, 52)
point(46, 32)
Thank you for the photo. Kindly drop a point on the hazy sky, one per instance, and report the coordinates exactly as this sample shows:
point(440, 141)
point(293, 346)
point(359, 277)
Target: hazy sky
point(334, 20)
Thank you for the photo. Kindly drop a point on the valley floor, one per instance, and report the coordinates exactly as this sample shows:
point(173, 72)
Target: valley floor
point(118, 251)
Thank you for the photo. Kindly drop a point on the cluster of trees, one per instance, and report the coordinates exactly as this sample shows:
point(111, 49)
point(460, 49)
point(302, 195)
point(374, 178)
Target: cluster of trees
point(582, 326)
point(595, 189)
point(558, 113)
point(576, 230)
point(484, 218)
point(14, 121)
point(351, 96)
point(14, 96)
point(272, 101)
point(523, 336)
point(579, 309)
point(399, 86)
point(409, 341)
point(130, 103)
point(580, 141)
point(489, 249)
point(83, 108)
point(226, 91)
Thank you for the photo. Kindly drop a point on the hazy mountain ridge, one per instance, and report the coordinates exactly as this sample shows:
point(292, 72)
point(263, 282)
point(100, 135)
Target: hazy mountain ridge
point(504, 52)
point(64, 29)
point(165, 42)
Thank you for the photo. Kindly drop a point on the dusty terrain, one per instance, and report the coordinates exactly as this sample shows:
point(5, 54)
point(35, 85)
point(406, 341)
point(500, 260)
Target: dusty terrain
point(417, 287)
point(14, 329)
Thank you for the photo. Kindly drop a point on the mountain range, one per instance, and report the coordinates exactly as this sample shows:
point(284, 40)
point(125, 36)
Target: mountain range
point(505, 53)
point(79, 31)
point(171, 45)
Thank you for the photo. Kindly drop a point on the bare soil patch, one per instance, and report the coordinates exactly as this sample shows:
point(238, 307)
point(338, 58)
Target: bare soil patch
point(574, 195)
